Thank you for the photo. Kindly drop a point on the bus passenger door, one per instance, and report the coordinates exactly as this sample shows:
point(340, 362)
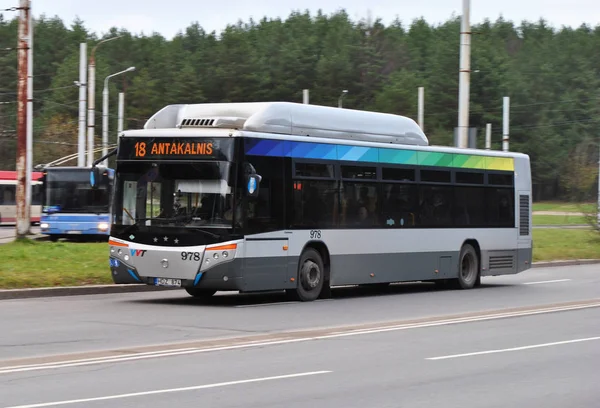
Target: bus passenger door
point(265, 263)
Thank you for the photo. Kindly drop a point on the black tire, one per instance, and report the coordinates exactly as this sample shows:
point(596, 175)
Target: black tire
point(468, 267)
point(311, 275)
point(200, 293)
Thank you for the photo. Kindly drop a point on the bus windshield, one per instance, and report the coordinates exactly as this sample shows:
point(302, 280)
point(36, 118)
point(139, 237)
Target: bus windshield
point(175, 195)
point(70, 192)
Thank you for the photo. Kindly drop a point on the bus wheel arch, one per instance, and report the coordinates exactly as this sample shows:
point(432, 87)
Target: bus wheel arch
point(469, 265)
point(314, 258)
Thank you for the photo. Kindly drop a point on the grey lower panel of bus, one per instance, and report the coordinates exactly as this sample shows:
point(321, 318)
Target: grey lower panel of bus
point(261, 274)
point(506, 262)
point(353, 269)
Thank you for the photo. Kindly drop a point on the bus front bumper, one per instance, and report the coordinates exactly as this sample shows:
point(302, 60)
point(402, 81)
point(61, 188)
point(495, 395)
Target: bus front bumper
point(220, 277)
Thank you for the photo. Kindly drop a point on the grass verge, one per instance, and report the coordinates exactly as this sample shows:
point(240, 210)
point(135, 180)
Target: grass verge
point(30, 264)
point(564, 206)
point(565, 244)
point(559, 220)
point(34, 264)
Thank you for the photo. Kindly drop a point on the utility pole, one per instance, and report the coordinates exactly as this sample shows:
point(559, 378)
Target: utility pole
point(22, 97)
point(82, 103)
point(305, 96)
point(29, 144)
point(505, 113)
point(91, 87)
point(488, 136)
point(421, 103)
point(598, 214)
point(464, 76)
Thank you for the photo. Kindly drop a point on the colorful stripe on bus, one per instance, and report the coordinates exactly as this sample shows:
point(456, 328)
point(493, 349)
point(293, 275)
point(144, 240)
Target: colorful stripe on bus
point(325, 151)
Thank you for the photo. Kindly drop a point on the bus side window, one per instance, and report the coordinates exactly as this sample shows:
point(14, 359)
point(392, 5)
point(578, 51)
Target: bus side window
point(315, 203)
point(399, 205)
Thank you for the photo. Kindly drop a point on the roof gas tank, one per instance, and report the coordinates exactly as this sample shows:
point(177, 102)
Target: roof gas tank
point(290, 118)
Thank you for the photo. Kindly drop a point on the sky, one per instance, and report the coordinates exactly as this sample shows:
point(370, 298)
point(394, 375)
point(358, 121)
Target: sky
point(170, 17)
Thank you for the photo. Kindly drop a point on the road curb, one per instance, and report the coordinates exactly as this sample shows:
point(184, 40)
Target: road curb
point(566, 263)
point(76, 290)
point(6, 294)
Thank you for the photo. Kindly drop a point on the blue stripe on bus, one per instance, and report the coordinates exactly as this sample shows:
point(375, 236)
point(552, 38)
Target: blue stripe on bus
point(197, 278)
point(132, 273)
point(304, 150)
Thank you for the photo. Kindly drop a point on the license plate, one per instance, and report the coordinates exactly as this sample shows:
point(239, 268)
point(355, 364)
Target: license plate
point(74, 232)
point(167, 282)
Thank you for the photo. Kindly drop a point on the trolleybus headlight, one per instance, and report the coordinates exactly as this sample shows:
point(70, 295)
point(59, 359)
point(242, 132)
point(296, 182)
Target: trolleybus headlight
point(119, 252)
point(103, 226)
point(126, 257)
point(44, 225)
point(216, 256)
point(225, 254)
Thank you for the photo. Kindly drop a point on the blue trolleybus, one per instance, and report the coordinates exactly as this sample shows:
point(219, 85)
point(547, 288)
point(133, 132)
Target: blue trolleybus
point(71, 208)
point(284, 196)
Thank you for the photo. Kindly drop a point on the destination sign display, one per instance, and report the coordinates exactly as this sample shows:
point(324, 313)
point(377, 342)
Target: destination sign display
point(175, 149)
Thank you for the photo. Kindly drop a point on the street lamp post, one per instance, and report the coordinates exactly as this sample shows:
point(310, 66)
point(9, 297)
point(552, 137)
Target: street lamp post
point(91, 100)
point(105, 111)
point(344, 93)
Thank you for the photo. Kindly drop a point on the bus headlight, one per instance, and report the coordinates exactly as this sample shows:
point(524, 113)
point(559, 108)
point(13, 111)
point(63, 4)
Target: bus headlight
point(217, 255)
point(44, 225)
point(103, 226)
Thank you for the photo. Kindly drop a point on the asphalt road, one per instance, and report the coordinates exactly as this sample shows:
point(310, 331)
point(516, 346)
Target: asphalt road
point(372, 370)
point(42, 326)
point(403, 347)
point(8, 232)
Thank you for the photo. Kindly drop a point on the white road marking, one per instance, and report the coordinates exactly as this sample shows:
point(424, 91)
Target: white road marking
point(101, 359)
point(251, 344)
point(197, 387)
point(548, 281)
point(479, 353)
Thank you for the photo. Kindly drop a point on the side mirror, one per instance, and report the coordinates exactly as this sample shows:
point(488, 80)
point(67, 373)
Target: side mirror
point(94, 177)
point(252, 184)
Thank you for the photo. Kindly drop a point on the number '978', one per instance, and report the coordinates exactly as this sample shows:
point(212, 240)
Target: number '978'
point(190, 256)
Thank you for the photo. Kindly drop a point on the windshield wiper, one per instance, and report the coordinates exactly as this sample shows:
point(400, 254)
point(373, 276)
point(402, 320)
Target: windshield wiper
point(210, 234)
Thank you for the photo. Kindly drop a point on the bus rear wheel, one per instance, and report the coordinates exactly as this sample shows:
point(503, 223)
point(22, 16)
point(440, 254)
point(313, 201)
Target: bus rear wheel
point(468, 267)
point(311, 275)
point(200, 293)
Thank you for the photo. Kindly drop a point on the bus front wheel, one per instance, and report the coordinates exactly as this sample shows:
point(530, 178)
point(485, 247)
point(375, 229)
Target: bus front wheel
point(468, 267)
point(311, 275)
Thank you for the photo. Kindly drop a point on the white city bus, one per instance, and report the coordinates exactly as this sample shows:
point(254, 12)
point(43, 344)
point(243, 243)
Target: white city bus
point(8, 197)
point(284, 196)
